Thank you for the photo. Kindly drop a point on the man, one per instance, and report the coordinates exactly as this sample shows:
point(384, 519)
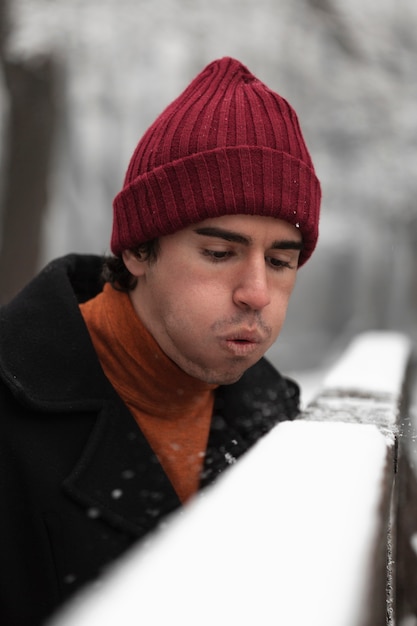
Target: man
point(118, 404)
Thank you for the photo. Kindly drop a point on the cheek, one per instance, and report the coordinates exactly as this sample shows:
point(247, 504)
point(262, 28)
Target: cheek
point(199, 290)
point(202, 303)
point(187, 298)
point(278, 310)
point(284, 292)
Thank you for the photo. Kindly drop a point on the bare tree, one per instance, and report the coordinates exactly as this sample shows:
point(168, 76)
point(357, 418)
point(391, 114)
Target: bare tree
point(30, 87)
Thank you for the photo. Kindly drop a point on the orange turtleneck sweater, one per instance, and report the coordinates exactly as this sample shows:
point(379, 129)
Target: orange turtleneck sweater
point(172, 409)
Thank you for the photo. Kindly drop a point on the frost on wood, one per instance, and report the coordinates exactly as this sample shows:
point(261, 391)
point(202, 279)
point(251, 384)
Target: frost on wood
point(366, 384)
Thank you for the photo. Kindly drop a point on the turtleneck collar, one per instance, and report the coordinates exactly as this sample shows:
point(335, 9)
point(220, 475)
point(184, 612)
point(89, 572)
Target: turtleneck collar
point(133, 361)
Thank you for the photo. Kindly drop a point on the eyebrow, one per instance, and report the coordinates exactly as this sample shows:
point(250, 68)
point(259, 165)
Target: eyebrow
point(246, 240)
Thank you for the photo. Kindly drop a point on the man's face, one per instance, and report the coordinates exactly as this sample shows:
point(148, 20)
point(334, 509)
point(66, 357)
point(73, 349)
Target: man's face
point(216, 297)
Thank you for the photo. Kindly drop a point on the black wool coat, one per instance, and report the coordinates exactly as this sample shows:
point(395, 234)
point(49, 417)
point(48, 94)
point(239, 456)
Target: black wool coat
point(78, 481)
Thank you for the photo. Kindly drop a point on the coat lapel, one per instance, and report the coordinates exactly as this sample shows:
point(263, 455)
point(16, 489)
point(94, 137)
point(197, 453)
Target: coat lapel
point(118, 478)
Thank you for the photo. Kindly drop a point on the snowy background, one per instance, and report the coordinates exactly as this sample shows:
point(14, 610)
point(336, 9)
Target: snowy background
point(348, 68)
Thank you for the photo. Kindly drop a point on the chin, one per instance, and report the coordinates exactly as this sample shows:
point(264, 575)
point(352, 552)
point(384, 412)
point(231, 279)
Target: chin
point(217, 376)
point(228, 378)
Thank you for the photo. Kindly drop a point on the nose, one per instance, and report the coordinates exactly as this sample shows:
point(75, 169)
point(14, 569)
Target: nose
point(252, 290)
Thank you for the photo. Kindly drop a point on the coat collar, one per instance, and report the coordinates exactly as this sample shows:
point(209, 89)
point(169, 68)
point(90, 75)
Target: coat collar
point(46, 313)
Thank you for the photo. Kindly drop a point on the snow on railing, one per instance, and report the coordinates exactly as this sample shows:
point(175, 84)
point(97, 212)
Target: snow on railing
point(297, 533)
point(366, 384)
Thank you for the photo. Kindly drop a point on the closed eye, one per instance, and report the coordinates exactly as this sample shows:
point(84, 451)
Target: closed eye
point(217, 255)
point(279, 264)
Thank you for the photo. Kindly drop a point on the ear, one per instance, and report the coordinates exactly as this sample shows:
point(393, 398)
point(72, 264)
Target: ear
point(134, 262)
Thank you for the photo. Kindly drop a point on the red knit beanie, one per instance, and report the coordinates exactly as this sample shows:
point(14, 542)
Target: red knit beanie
point(226, 145)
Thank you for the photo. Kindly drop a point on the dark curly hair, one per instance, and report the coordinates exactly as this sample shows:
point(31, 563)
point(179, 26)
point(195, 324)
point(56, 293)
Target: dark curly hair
point(116, 273)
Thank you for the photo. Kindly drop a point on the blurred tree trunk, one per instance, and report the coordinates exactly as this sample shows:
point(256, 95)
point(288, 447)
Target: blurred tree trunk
point(30, 88)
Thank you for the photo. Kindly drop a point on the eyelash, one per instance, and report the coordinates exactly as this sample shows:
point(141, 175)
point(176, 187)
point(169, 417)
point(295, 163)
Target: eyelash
point(219, 256)
point(278, 264)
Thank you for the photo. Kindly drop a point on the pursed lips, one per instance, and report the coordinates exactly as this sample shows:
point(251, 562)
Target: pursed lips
point(246, 336)
point(243, 342)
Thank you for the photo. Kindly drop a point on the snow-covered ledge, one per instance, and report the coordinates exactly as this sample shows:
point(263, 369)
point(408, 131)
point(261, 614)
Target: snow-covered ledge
point(366, 385)
point(296, 533)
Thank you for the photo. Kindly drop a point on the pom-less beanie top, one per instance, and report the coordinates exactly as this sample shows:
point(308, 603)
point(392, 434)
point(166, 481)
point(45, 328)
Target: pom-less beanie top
point(227, 145)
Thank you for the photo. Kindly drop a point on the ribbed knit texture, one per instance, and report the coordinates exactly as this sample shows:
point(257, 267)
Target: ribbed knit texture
point(226, 145)
point(172, 409)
